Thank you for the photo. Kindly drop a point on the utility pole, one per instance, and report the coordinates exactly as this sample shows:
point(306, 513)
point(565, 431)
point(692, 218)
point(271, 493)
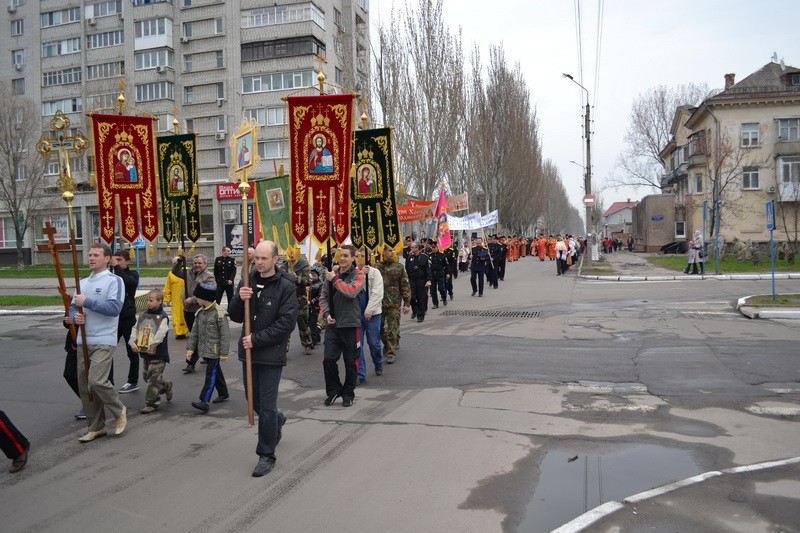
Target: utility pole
point(587, 181)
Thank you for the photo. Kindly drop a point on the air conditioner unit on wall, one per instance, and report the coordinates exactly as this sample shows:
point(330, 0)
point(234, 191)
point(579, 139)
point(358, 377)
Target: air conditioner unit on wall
point(120, 16)
point(17, 66)
point(184, 39)
point(220, 136)
point(219, 102)
point(12, 9)
point(771, 189)
point(229, 215)
point(91, 21)
point(161, 68)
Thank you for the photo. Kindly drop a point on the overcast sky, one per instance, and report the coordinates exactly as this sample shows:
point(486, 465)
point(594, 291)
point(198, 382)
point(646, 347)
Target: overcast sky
point(644, 43)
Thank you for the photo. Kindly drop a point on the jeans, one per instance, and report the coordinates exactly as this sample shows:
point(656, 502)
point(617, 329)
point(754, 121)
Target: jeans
point(266, 379)
point(371, 329)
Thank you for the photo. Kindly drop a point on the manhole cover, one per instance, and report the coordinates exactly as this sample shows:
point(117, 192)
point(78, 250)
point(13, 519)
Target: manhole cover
point(493, 313)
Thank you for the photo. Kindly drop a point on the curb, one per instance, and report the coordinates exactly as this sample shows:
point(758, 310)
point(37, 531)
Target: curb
point(584, 521)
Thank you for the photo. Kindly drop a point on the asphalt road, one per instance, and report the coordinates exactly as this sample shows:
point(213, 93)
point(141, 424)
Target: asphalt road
point(466, 432)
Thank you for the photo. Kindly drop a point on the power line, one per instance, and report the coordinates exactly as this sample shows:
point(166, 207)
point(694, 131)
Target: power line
point(600, 12)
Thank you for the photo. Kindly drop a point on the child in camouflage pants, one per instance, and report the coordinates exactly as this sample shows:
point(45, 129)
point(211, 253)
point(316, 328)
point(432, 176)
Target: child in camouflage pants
point(149, 339)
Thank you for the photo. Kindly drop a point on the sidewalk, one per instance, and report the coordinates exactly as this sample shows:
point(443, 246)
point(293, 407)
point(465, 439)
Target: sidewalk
point(634, 266)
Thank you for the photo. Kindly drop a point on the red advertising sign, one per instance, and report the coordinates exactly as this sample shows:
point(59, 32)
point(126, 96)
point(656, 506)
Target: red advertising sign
point(230, 191)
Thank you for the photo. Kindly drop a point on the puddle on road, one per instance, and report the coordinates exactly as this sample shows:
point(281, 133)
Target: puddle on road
point(572, 483)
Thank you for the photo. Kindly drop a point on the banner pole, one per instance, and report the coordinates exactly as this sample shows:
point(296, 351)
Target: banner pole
point(244, 189)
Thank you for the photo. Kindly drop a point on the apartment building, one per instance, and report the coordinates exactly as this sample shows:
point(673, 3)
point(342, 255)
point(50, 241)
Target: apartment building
point(207, 62)
point(735, 152)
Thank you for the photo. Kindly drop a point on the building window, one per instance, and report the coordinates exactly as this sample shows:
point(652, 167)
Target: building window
point(269, 149)
point(750, 134)
point(187, 3)
point(278, 81)
point(223, 160)
point(189, 123)
point(154, 91)
point(221, 123)
point(220, 59)
point(150, 27)
point(789, 169)
point(337, 75)
point(165, 122)
point(187, 29)
point(750, 178)
point(103, 40)
point(20, 172)
point(220, 91)
point(18, 57)
point(98, 101)
point(680, 229)
point(789, 129)
point(65, 16)
point(269, 116)
point(698, 182)
point(187, 62)
point(18, 86)
point(153, 58)
point(17, 27)
point(105, 70)
point(148, 2)
point(59, 48)
point(188, 95)
point(61, 77)
point(284, 14)
point(218, 26)
point(104, 9)
point(337, 18)
point(68, 105)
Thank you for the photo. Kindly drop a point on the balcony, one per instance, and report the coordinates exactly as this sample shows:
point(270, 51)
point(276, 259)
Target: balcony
point(789, 192)
point(679, 173)
point(787, 148)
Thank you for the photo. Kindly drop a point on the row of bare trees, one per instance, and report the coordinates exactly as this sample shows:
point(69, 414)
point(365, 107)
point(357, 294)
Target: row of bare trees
point(474, 129)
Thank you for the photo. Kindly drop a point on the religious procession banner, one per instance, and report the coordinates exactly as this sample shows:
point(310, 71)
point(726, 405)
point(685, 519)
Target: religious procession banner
point(320, 142)
point(177, 166)
point(490, 219)
point(373, 213)
point(454, 203)
point(473, 221)
point(411, 213)
point(442, 229)
point(124, 151)
point(272, 202)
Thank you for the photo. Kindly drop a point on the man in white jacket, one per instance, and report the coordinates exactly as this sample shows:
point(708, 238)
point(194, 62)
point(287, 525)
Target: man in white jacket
point(371, 305)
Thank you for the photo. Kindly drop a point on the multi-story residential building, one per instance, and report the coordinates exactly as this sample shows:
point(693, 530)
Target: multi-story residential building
point(735, 152)
point(207, 62)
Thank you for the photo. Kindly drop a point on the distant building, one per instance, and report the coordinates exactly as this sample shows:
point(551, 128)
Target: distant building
point(617, 219)
point(738, 150)
point(213, 61)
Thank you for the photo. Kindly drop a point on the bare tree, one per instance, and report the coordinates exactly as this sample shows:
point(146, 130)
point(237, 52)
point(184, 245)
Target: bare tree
point(649, 130)
point(22, 180)
point(421, 90)
point(789, 208)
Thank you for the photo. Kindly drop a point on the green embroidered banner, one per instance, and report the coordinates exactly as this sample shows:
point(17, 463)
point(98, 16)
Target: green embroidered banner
point(177, 168)
point(373, 208)
point(272, 196)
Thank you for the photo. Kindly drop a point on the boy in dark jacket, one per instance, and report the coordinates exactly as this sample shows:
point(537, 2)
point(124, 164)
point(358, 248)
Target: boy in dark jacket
point(209, 338)
point(149, 340)
point(272, 298)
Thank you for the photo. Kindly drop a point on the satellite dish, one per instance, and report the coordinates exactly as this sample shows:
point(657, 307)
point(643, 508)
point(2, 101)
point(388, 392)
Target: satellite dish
point(775, 57)
point(783, 65)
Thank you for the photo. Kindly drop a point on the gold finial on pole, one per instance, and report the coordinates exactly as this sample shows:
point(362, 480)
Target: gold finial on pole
point(321, 81)
point(121, 97)
point(176, 124)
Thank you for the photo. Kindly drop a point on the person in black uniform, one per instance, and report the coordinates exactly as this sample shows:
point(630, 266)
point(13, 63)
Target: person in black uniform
point(479, 262)
point(501, 261)
point(418, 268)
point(224, 274)
point(440, 272)
point(492, 271)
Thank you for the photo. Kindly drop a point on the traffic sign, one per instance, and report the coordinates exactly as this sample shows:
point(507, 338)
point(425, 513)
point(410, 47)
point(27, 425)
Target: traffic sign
point(588, 200)
point(771, 215)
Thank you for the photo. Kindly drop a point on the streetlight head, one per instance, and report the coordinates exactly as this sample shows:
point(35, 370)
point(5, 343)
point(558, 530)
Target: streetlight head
point(567, 76)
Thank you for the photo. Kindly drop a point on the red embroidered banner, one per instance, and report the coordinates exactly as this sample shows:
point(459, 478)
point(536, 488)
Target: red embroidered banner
point(124, 152)
point(320, 139)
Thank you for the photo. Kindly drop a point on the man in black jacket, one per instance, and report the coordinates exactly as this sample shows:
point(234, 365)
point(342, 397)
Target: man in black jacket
point(273, 313)
point(224, 273)
point(127, 318)
point(440, 272)
point(418, 269)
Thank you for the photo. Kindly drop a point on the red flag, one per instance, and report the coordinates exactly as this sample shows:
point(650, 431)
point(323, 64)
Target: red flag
point(442, 228)
point(124, 151)
point(320, 141)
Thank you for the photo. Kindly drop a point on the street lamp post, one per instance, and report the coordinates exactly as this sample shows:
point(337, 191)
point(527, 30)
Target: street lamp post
point(587, 180)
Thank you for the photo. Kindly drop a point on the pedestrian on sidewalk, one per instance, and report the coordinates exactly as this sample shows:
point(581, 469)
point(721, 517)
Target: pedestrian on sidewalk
point(149, 341)
point(209, 338)
point(120, 264)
